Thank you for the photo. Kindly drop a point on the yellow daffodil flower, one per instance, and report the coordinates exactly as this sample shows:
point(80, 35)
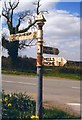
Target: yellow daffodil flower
point(9, 105)
point(32, 117)
point(5, 99)
point(10, 95)
point(35, 117)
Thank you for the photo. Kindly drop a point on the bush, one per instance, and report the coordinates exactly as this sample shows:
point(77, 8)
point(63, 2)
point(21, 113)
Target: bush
point(17, 106)
point(23, 64)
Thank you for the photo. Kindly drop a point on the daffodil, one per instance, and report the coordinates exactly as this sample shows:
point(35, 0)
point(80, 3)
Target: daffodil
point(35, 117)
point(32, 117)
point(9, 105)
point(5, 99)
point(10, 95)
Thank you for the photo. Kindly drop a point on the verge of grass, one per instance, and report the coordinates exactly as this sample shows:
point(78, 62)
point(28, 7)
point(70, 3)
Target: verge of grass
point(57, 114)
point(64, 75)
point(14, 72)
point(61, 75)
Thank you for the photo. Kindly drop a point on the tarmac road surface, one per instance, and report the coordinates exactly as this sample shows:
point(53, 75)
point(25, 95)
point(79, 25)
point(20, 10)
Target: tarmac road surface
point(55, 90)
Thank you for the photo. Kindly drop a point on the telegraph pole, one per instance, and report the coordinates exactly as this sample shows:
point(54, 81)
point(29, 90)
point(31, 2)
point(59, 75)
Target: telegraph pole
point(40, 22)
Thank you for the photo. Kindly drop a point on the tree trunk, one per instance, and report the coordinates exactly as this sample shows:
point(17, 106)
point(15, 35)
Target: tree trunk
point(13, 49)
point(13, 52)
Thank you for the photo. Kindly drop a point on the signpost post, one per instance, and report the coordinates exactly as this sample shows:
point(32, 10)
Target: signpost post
point(40, 22)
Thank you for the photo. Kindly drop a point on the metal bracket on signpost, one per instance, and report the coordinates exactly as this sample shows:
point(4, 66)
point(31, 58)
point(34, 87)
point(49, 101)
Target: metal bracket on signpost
point(40, 22)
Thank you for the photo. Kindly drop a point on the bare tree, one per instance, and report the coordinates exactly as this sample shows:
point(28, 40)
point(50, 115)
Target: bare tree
point(8, 13)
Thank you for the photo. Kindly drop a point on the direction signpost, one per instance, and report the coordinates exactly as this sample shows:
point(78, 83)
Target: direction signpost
point(23, 36)
point(54, 61)
point(50, 50)
point(39, 35)
point(40, 20)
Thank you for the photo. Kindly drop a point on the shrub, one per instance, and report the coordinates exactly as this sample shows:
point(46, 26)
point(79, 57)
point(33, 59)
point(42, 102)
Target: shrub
point(17, 106)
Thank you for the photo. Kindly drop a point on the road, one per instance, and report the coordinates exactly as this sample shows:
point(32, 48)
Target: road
point(55, 90)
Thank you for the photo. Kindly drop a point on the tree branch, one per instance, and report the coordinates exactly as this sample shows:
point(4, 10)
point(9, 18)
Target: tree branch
point(19, 21)
point(26, 29)
point(23, 44)
point(13, 5)
point(38, 6)
point(5, 16)
point(22, 15)
point(5, 42)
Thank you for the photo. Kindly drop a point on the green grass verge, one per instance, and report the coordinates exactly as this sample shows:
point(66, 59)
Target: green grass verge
point(20, 106)
point(61, 75)
point(64, 75)
point(14, 72)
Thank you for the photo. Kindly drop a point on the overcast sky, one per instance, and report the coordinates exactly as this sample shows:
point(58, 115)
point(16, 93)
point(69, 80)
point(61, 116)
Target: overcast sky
point(61, 30)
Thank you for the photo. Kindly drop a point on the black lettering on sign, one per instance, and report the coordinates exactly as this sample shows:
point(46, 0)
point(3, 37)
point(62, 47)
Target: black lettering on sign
point(50, 50)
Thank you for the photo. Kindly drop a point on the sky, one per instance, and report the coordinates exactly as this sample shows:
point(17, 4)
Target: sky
point(69, 6)
point(61, 30)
